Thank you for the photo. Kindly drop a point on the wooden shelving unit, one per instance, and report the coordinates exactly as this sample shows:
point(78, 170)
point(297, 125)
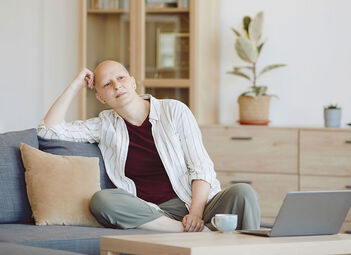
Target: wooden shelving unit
point(109, 11)
point(167, 10)
point(171, 52)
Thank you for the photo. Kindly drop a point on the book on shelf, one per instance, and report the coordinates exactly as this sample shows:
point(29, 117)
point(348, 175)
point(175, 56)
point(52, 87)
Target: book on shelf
point(105, 4)
point(162, 4)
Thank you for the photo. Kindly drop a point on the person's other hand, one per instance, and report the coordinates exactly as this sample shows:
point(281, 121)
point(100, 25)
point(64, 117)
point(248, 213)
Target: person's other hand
point(84, 78)
point(192, 223)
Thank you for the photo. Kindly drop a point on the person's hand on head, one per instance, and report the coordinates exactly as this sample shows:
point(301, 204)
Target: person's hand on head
point(84, 78)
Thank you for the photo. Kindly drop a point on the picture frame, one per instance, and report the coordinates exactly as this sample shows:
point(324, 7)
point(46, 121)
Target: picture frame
point(161, 3)
point(166, 52)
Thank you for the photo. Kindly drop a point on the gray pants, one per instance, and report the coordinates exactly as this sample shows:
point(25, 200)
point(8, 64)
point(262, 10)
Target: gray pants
point(117, 208)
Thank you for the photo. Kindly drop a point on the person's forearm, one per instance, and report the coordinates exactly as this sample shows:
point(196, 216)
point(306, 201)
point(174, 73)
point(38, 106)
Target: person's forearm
point(200, 192)
point(58, 110)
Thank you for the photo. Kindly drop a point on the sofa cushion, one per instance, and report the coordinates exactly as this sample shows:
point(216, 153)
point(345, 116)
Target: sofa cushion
point(59, 187)
point(70, 238)
point(14, 205)
point(67, 148)
point(10, 248)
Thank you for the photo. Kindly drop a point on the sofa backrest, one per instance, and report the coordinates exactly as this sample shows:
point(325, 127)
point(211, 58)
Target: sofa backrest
point(14, 205)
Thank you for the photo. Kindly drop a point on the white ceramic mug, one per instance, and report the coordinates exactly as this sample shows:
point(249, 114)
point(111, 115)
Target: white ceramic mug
point(225, 222)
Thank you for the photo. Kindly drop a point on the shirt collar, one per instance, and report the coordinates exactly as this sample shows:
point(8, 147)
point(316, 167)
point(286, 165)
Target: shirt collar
point(154, 107)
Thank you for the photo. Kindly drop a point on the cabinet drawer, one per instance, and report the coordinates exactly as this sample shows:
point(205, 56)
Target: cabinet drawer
point(326, 183)
point(258, 149)
point(325, 152)
point(271, 188)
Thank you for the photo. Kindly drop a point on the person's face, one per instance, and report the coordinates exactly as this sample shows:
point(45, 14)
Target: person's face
point(113, 85)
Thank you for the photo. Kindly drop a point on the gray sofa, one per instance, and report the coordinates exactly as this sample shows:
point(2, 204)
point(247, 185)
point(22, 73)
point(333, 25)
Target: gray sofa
point(17, 228)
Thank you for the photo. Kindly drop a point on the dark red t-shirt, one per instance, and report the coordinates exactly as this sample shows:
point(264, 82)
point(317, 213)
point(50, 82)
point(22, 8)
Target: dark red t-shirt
point(145, 167)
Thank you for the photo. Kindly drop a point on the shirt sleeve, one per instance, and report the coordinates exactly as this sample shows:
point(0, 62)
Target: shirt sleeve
point(76, 131)
point(199, 164)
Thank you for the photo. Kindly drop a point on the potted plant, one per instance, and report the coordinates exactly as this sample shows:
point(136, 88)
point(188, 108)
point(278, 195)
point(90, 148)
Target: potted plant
point(254, 103)
point(332, 115)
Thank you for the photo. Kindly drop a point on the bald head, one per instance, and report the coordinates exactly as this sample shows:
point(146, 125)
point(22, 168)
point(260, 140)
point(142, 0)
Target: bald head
point(105, 69)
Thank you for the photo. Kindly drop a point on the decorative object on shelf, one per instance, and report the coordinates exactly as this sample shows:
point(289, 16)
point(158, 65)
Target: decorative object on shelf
point(167, 45)
point(124, 4)
point(103, 4)
point(254, 103)
point(169, 50)
point(161, 3)
point(165, 50)
point(332, 115)
point(183, 4)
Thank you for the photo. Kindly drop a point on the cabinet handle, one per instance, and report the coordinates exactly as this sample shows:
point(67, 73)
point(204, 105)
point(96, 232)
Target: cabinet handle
point(236, 182)
point(348, 141)
point(241, 138)
point(348, 187)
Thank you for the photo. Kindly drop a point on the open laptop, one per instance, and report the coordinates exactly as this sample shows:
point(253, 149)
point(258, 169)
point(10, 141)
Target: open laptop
point(309, 213)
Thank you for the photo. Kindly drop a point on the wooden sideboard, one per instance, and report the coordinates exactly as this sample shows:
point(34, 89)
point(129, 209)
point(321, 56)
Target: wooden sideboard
point(276, 160)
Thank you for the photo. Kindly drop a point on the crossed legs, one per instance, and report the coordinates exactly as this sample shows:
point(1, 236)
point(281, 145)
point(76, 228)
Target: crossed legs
point(117, 208)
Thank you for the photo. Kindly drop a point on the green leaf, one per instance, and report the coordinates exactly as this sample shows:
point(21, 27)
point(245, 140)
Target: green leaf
point(269, 68)
point(259, 48)
point(257, 92)
point(261, 90)
point(249, 94)
point(237, 68)
point(246, 50)
point(236, 32)
point(255, 28)
point(332, 106)
point(246, 24)
point(241, 74)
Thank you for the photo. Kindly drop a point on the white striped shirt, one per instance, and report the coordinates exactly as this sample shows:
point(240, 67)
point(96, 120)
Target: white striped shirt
point(177, 139)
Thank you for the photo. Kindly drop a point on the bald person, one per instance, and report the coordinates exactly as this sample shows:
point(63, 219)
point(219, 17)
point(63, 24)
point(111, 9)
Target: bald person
point(154, 155)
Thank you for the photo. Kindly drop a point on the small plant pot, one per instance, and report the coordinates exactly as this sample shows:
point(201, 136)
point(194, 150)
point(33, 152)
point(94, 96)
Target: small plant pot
point(332, 117)
point(254, 111)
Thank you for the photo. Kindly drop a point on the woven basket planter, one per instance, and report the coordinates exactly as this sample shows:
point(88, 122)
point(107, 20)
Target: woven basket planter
point(254, 110)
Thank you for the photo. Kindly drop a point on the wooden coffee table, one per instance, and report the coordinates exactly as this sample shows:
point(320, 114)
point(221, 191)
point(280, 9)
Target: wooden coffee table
point(219, 244)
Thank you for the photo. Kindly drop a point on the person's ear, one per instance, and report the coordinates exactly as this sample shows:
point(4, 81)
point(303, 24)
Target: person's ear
point(98, 97)
point(134, 83)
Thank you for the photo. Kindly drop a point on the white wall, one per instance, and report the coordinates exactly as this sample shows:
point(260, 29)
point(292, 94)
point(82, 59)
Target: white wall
point(61, 51)
point(312, 37)
point(38, 58)
point(21, 64)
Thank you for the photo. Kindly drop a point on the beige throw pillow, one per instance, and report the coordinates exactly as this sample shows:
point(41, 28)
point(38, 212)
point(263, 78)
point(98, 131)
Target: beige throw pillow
point(59, 188)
